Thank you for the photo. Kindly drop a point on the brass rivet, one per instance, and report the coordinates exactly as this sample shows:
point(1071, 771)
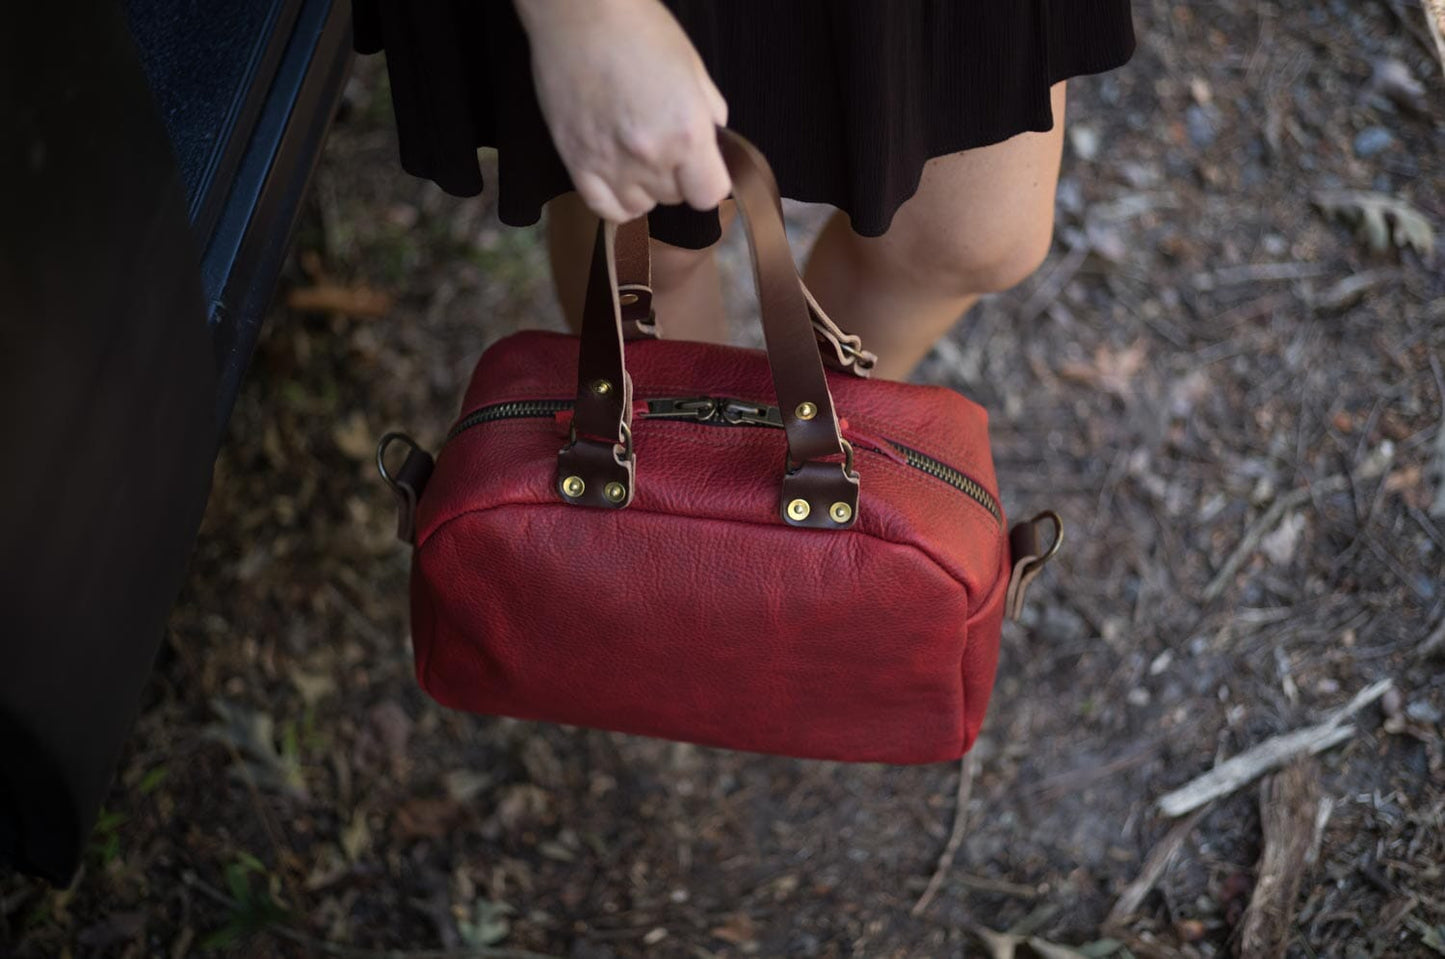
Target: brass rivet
point(615, 492)
point(602, 387)
point(799, 509)
point(627, 299)
point(573, 486)
point(841, 512)
point(806, 411)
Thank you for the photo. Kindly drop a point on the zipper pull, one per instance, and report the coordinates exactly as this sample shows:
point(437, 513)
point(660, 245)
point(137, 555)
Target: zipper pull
point(737, 411)
point(695, 408)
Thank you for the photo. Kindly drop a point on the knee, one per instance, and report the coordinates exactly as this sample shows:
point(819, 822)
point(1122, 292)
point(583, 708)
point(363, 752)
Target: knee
point(1009, 266)
point(980, 264)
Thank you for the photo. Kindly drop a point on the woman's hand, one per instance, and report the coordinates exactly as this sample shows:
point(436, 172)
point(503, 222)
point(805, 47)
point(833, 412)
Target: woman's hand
point(629, 104)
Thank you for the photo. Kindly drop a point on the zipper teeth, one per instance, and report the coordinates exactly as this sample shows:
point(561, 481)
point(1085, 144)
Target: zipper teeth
point(951, 476)
point(517, 409)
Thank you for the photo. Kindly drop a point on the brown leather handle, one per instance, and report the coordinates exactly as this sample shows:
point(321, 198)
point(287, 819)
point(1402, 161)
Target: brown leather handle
point(815, 493)
point(841, 351)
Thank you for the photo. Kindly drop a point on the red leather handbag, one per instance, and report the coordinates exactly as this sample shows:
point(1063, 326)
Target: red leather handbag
point(760, 550)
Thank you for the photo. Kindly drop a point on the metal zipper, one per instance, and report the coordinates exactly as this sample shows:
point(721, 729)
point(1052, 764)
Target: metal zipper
point(723, 411)
point(513, 410)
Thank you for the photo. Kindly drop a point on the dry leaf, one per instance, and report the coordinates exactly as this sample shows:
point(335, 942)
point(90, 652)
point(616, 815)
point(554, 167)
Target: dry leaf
point(1380, 219)
point(489, 924)
point(1394, 79)
point(312, 686)
point(356, 837)
point(542, 765)
point(1008, 945)
point(1280, 544)
point(426, 818)
point(252, 734)
point(520, 804)
point(330, 298)
point(353, 436)
point(464, 785)
point(1112, 372)
point(738, 930)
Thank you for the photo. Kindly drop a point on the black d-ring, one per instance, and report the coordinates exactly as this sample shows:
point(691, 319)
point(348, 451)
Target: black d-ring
point(383, 445)
point(407, 483)
point(1058, 522)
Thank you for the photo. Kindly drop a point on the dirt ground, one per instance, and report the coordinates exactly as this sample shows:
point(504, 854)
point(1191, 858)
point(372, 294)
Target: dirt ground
point(1235, 401)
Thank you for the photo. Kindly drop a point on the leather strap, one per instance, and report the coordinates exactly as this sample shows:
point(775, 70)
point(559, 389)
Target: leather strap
point(596, 467)
point(809, 419)
point(634, 280)
point(792, 352)
point(841, 351)
point(1029, 557)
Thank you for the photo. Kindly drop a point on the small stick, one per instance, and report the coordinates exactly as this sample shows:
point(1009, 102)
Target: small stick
point(955, 838)
point(1436, 640)
point(334, 298)
point(1253, 763)
point(1258, 273)
point(1049, 290)
point(1157, 863)
point(1267, 522)
point(1000, 887)
point(1288, 804)
point(1434, 11)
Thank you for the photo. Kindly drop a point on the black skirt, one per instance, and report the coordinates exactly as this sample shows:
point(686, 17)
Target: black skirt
point(847, 98)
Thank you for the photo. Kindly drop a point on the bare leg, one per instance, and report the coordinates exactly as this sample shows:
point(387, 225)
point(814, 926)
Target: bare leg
point(687, 294)
point(981, 221)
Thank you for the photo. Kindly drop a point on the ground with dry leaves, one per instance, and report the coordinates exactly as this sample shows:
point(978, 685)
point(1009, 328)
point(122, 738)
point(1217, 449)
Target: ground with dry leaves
point(1228, 377)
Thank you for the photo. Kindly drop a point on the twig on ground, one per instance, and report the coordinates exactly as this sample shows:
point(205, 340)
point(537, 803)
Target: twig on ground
point(1420, 36)
point(335, 298)
point(1433, 642)
point(1322, 819)
point(1262, 526)
point(1249, 765)
point(1288, 804)
point(1253, 310)
point(1345, 292)
point(1000, 887)
point(1157, 863)
point(1049, 290)
point(1258, 273)
point(1434, 11)
point(955, 838)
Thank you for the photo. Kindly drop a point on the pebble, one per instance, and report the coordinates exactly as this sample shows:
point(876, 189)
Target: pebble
point(1061, 625)
point(1140, 176)
point(1085, 141)
point(1372, 140)
point(1200, 126)
point(1423, 712)
point(1390, 702)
